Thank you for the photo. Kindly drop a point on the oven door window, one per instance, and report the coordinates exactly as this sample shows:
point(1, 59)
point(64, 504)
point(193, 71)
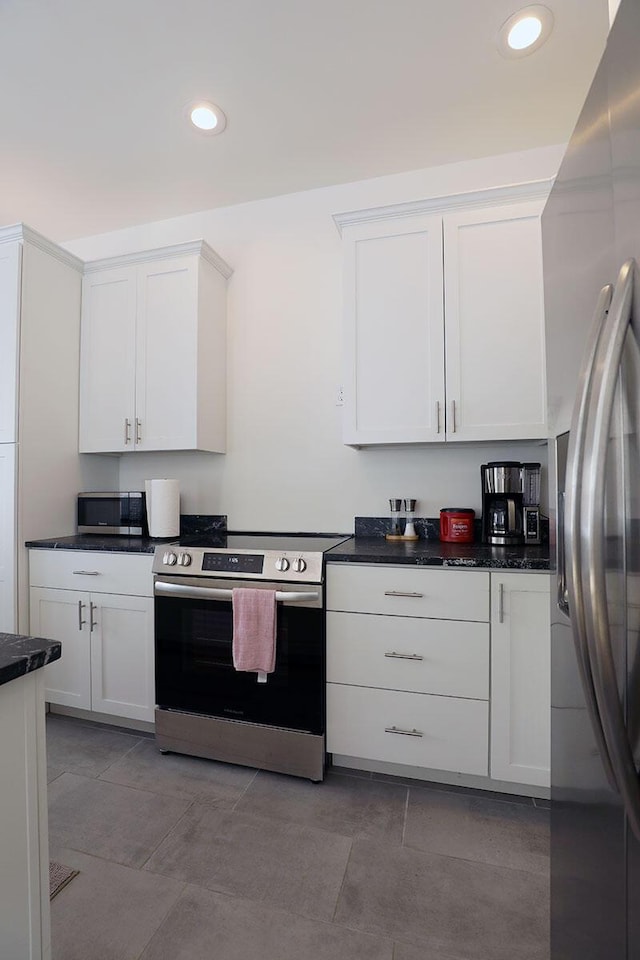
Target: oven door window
point(195, 672)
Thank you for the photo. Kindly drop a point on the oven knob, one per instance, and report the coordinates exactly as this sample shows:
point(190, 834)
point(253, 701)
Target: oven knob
point(282, 564)
point(184, 559)
point(299, 565)
point(170, 559)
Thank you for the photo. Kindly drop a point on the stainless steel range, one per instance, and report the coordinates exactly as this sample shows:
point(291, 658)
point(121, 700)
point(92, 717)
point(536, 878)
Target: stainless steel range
point(204, 706)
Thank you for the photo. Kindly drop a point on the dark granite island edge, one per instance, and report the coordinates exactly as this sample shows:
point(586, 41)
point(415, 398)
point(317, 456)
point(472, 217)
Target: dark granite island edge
point(20, 655)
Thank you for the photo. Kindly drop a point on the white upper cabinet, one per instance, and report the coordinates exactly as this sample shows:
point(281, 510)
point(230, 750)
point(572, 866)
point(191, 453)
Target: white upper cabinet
point(153, 352)
point(444, 324)
point(394, 335)
point(493, 298)
point(10, 274)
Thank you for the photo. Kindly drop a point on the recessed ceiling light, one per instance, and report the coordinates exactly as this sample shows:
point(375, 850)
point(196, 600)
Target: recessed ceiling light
point(525, 31)
point(207, 117)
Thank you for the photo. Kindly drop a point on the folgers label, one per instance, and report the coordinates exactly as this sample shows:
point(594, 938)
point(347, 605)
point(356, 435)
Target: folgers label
point(456, 524)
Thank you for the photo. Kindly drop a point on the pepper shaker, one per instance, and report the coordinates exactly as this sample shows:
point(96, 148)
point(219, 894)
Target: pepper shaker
point(395, 506)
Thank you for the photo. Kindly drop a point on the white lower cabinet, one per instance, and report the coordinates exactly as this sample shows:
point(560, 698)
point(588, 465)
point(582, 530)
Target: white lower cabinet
point(520, 678)
point(442, 670)
point(409, 685)
point(107, 662)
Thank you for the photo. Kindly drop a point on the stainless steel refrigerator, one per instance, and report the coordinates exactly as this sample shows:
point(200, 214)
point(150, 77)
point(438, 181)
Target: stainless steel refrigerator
point(591, 250)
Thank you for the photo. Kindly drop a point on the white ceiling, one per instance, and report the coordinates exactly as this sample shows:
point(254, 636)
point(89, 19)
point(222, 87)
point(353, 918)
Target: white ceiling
point(93, 134)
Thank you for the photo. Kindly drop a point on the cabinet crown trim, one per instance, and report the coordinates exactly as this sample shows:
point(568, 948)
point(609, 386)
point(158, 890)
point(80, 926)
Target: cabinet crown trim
point(198, 248)
point(24, 234)
point(515, 193)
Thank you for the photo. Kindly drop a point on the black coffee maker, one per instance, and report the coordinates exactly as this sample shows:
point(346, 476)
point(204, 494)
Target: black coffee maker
point(502, 502)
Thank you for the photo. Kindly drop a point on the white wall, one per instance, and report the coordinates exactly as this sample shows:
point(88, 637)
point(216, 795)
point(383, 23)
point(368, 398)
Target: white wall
point(286, 467)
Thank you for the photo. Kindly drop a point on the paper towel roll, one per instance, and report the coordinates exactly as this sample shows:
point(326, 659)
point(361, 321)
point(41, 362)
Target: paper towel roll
point(163, 507)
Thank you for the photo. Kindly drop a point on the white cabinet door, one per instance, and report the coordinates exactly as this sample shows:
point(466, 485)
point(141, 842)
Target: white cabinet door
point(520, 678)
point(394, 338)
point(108, 361)
point(10, 260)
point(167, 354)
point(8, 546)
point(495, 324)
point(122, 656)
point(64, 615)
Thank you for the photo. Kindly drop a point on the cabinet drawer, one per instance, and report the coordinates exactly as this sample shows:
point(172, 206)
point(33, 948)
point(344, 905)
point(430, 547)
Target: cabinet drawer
point(447, 657)
point(454, 732)
point(96, 572)
point(408, 591)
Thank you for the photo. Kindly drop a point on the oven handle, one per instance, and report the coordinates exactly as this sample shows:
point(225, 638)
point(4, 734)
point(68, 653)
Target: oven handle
point(218, 593)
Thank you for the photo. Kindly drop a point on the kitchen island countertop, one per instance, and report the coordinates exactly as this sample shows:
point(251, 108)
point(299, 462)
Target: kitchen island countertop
point(434, 553)
point(20, 655)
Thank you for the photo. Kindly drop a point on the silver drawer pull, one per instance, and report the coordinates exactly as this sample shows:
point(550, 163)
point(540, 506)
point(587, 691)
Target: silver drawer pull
point(86, 573)
point(401, 593)
point(404, 733)
point(404, 656)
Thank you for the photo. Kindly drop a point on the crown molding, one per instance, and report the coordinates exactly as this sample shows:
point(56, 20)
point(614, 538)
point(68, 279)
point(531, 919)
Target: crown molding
point(24, 234)
point(191, 248)
point(514, 193)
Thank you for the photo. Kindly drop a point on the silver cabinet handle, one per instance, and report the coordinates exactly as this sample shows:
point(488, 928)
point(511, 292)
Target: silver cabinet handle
point(437, 416)
point(571, 541)
point(138, 430)
point(403, 656)
point(401, 593)
point(609, 365)
point(92, 623)
point(501, 603)
point(453, 416)
point(404, 733)
point(127, 430)
point(81, 607)
point(86, 573)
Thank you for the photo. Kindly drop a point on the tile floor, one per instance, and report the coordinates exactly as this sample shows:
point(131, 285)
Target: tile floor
point(187, 859)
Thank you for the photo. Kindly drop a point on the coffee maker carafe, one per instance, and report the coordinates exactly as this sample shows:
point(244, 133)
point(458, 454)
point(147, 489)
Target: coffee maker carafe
point(502, 495)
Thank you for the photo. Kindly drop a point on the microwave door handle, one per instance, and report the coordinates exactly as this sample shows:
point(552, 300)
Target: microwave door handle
point(219, 593)
point(570, 532)
point(606, 372)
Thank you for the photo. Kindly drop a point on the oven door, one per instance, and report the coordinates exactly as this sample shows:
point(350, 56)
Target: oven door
point(194, 663)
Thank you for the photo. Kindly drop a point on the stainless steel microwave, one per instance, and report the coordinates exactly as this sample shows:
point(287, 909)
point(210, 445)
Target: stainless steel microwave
point(119, 512)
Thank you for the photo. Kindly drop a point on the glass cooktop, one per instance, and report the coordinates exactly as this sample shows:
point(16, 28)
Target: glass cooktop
point(296, 543)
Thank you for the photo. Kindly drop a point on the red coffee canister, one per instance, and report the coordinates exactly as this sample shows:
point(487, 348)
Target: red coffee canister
point(456, 524)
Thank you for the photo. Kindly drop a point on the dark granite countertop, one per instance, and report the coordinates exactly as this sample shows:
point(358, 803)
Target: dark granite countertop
point(437, 554)
point(20, 655)
point(91, 541)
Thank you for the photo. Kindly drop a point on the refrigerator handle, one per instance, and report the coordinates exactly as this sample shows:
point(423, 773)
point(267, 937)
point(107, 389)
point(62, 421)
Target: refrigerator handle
point(570, 559)
point(606, 372)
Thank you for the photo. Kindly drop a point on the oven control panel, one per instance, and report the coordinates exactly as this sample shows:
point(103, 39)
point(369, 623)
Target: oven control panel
point(266, 565)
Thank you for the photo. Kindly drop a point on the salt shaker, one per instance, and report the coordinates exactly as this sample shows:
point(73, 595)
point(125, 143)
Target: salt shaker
point(409, 529)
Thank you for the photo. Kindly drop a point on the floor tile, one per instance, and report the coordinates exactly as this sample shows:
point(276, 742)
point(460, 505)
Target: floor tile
point(83, 748)
point(455, 788)
point(107, 912)
point(175, 775)
point(296, 867)
point(108, 820)
point(407, 951)
point(242, 930)
point(469, 910)
point(340, 804)
point(542, 803)
point(492, 831)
